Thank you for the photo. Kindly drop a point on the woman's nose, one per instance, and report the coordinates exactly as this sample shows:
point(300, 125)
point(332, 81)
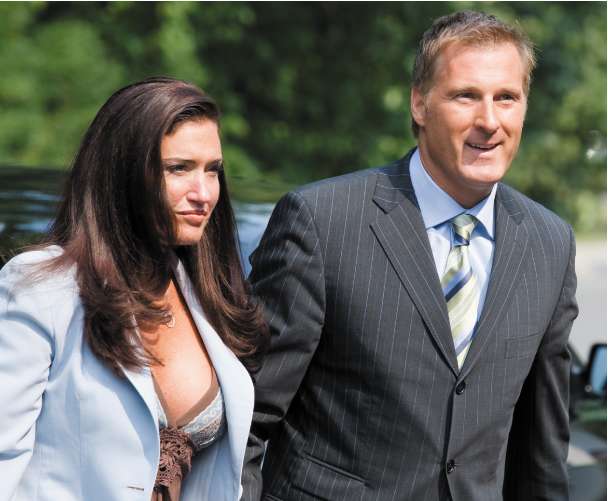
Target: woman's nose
point(199, 189)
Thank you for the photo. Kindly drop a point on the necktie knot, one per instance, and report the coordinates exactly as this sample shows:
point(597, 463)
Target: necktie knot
point(463, 225)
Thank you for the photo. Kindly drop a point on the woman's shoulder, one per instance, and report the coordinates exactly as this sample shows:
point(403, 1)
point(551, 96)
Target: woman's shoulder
point(35, 256)
point(32, 271)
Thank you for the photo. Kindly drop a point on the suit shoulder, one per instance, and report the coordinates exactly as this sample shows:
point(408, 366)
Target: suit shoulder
point(549, 235)
point(539, 214)
point(352, 180)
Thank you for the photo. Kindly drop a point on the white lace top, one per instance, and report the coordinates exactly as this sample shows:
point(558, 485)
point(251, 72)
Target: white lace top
point(204, 429)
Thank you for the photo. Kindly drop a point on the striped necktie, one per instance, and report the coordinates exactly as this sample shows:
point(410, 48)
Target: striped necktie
point(460, 286)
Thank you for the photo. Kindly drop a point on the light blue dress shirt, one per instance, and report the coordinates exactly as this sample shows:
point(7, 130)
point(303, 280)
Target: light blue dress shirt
point(437, 208)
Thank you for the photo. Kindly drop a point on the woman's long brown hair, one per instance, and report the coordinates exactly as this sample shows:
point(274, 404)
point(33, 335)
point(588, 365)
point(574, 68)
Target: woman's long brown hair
point(115, 226)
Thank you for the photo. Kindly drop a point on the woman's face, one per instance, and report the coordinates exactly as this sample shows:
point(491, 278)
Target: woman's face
point(192, 159)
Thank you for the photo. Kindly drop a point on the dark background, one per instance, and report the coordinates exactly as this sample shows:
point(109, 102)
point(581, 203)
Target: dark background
point(308, 90)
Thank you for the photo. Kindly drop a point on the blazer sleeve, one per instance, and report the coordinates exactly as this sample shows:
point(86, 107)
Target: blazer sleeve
point(536, 466)
point(287, 276)
point(25, 357)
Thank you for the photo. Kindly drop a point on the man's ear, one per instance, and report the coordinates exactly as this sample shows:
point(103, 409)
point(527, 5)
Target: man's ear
point(417, 106)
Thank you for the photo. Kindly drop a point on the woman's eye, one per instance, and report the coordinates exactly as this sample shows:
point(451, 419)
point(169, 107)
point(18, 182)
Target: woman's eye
point(176, 168)
point(216, 168)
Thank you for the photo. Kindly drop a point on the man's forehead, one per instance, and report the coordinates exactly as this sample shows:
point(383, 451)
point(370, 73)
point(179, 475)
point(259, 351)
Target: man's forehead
point(456, 47)
point(485, 60)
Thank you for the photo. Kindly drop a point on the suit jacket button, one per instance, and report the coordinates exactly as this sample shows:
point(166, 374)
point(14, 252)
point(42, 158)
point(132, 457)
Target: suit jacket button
point(460, 387)
point(450, 466)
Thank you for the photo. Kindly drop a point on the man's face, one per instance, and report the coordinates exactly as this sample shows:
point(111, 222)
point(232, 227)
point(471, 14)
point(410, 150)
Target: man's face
point(471, 118)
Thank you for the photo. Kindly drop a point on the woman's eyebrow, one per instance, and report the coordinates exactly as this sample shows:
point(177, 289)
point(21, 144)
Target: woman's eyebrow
point(178, 159)
point(189, 161)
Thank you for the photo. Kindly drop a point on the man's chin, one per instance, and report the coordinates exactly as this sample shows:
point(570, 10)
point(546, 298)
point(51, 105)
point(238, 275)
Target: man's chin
point(484, 174)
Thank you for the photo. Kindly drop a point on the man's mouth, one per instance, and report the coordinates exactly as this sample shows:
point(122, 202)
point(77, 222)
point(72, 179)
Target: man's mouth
point(482, 146)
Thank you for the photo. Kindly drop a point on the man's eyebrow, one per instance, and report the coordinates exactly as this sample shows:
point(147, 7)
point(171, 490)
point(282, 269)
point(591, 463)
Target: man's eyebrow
point(512, 90)
point(464, 88)
point(473, 88)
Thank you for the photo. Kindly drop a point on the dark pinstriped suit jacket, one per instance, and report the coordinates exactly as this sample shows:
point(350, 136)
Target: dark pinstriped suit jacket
point(360, 396)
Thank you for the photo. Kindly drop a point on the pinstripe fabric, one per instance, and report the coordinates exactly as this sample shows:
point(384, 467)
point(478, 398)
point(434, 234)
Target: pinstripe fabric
point(357, 393)
point(460, 287)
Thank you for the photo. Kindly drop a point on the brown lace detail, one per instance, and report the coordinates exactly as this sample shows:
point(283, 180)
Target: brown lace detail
point(176, 451)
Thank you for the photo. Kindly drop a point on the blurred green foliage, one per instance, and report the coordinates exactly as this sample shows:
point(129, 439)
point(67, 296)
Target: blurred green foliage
point(308, 90)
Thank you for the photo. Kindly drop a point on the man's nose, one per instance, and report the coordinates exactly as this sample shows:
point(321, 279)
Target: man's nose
point(486, 118)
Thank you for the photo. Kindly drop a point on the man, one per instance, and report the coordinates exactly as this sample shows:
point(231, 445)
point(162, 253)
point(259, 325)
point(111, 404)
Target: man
point(420, 312)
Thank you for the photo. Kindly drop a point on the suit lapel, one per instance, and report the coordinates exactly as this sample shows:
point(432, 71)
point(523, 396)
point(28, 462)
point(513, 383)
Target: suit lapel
point(401, 233)
point(510, 249)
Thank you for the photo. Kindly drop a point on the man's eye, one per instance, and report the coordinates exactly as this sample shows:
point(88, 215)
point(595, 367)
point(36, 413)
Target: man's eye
point(506, 97)
point(465, 96)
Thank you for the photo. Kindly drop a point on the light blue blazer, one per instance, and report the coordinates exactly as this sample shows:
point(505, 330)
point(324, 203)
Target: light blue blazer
point(70, 429)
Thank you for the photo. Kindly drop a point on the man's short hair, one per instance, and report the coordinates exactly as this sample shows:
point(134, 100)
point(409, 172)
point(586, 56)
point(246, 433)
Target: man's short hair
point(467, 28)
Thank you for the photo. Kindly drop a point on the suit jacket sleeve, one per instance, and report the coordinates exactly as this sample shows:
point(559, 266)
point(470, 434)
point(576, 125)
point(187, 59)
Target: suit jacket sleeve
point(287, 276)
point(25, 358)
point(538, 444)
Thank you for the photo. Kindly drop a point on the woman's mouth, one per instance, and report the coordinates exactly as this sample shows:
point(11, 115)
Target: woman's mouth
point(194, 217)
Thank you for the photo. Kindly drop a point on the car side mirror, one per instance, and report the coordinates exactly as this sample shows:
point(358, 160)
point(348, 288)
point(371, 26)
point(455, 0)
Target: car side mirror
point(596, 371)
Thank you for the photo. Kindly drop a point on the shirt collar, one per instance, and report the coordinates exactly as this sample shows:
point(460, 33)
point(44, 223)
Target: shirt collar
point(437, 207)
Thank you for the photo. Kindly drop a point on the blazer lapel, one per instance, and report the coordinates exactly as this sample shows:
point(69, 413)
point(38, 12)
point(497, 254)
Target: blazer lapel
point(510, 249)
point(235, 382)
point(142, 381)
point(401, 233)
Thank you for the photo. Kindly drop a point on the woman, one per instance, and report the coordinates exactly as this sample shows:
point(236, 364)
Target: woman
point(123, 338)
